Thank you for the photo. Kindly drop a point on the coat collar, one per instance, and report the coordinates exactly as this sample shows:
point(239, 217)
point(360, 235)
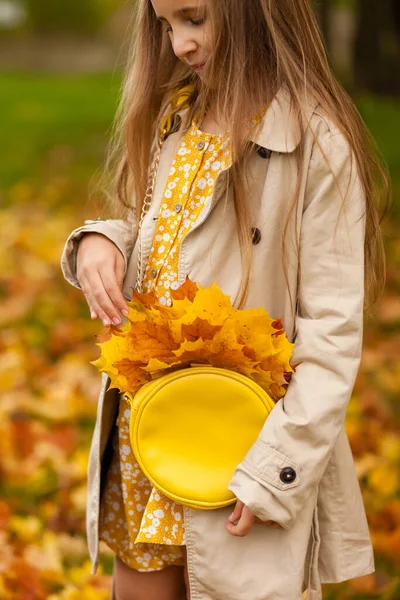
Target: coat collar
point(279, 130)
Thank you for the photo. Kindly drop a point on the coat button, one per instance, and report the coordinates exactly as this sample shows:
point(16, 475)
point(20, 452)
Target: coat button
point(264, 152)
point(201, 145)
point(154, 273)
point(178, 207)
point(255, 235)
point(287, 475)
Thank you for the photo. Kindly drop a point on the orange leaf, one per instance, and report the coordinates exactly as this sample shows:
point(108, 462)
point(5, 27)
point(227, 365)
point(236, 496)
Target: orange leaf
point(200, 328)
point(187, 290)
point(147, 300)
point(133, 373)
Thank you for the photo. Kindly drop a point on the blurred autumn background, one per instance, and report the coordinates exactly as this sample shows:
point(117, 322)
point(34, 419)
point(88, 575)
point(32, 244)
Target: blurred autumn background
point(60, 73)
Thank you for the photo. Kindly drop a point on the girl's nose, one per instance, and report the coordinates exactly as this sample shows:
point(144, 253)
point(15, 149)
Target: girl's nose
point(183, 46)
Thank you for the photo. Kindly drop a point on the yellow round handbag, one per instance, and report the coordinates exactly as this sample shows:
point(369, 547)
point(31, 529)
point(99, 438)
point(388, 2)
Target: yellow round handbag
point(189, 429)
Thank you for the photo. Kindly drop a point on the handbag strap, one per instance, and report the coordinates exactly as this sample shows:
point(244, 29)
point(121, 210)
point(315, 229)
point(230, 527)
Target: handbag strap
point(146, 205)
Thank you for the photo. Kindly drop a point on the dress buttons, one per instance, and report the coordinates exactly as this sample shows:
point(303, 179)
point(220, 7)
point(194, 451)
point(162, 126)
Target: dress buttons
point(154, 273)
point(200, 145)
point(178, 207)
point(287, 475)
point(255, 235)
point(264, 152)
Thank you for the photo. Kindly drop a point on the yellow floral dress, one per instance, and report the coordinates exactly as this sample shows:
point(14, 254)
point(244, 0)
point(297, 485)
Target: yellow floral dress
point(139, 523)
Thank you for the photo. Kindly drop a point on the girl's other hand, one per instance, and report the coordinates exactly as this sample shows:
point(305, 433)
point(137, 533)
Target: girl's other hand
point(242, 520)
point(100, 270)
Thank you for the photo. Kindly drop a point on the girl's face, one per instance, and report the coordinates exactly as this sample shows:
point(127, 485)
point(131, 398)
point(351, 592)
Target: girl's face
point(188, 28)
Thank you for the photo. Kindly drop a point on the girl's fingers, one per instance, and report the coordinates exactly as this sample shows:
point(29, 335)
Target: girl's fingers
point(99, 299)
point(244, 524)
point(100, 271)
point(93, 314)
point(91, 309)
point(95, 310)
point(242, 519)
point(237, 512)
point(112, 287)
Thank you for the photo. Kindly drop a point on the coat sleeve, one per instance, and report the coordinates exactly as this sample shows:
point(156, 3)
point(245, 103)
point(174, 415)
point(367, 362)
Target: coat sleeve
point(286, 462)
point(122, 233)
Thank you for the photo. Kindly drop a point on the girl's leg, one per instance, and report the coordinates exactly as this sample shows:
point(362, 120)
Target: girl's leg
point(167, 584)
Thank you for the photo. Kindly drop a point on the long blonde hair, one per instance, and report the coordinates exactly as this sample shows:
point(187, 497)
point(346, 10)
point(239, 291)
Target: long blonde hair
point(260, 45)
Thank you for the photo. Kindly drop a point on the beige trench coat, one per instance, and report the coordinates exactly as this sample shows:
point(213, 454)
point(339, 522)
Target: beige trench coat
point(324, 536)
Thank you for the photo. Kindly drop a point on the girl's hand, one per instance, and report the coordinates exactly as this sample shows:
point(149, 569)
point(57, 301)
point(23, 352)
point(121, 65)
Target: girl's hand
point(100, 271)
point(245, 520)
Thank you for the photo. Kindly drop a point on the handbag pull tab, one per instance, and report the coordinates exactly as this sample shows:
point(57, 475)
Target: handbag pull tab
point(129, 398)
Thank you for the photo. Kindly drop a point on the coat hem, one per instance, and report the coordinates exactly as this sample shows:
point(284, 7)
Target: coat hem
point(348, 576)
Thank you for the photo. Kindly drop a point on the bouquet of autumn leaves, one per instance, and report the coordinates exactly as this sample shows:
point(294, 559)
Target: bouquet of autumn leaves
point(200, 327)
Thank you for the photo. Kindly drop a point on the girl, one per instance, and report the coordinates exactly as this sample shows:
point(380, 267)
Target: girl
point(264, 183)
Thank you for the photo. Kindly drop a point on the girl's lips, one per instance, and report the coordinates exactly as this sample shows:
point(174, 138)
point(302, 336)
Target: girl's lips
point(199, 68)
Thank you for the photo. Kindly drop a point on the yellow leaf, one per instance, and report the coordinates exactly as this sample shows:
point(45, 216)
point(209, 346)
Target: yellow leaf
point(285, 350)
point(158, 365)
point(209, 304)
point(190, 350)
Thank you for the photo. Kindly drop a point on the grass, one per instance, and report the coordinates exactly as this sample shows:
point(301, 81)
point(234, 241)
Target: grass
point(54, 124)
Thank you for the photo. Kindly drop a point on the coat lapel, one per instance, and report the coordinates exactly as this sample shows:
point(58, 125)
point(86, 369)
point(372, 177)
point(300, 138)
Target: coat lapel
point(279, 129)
